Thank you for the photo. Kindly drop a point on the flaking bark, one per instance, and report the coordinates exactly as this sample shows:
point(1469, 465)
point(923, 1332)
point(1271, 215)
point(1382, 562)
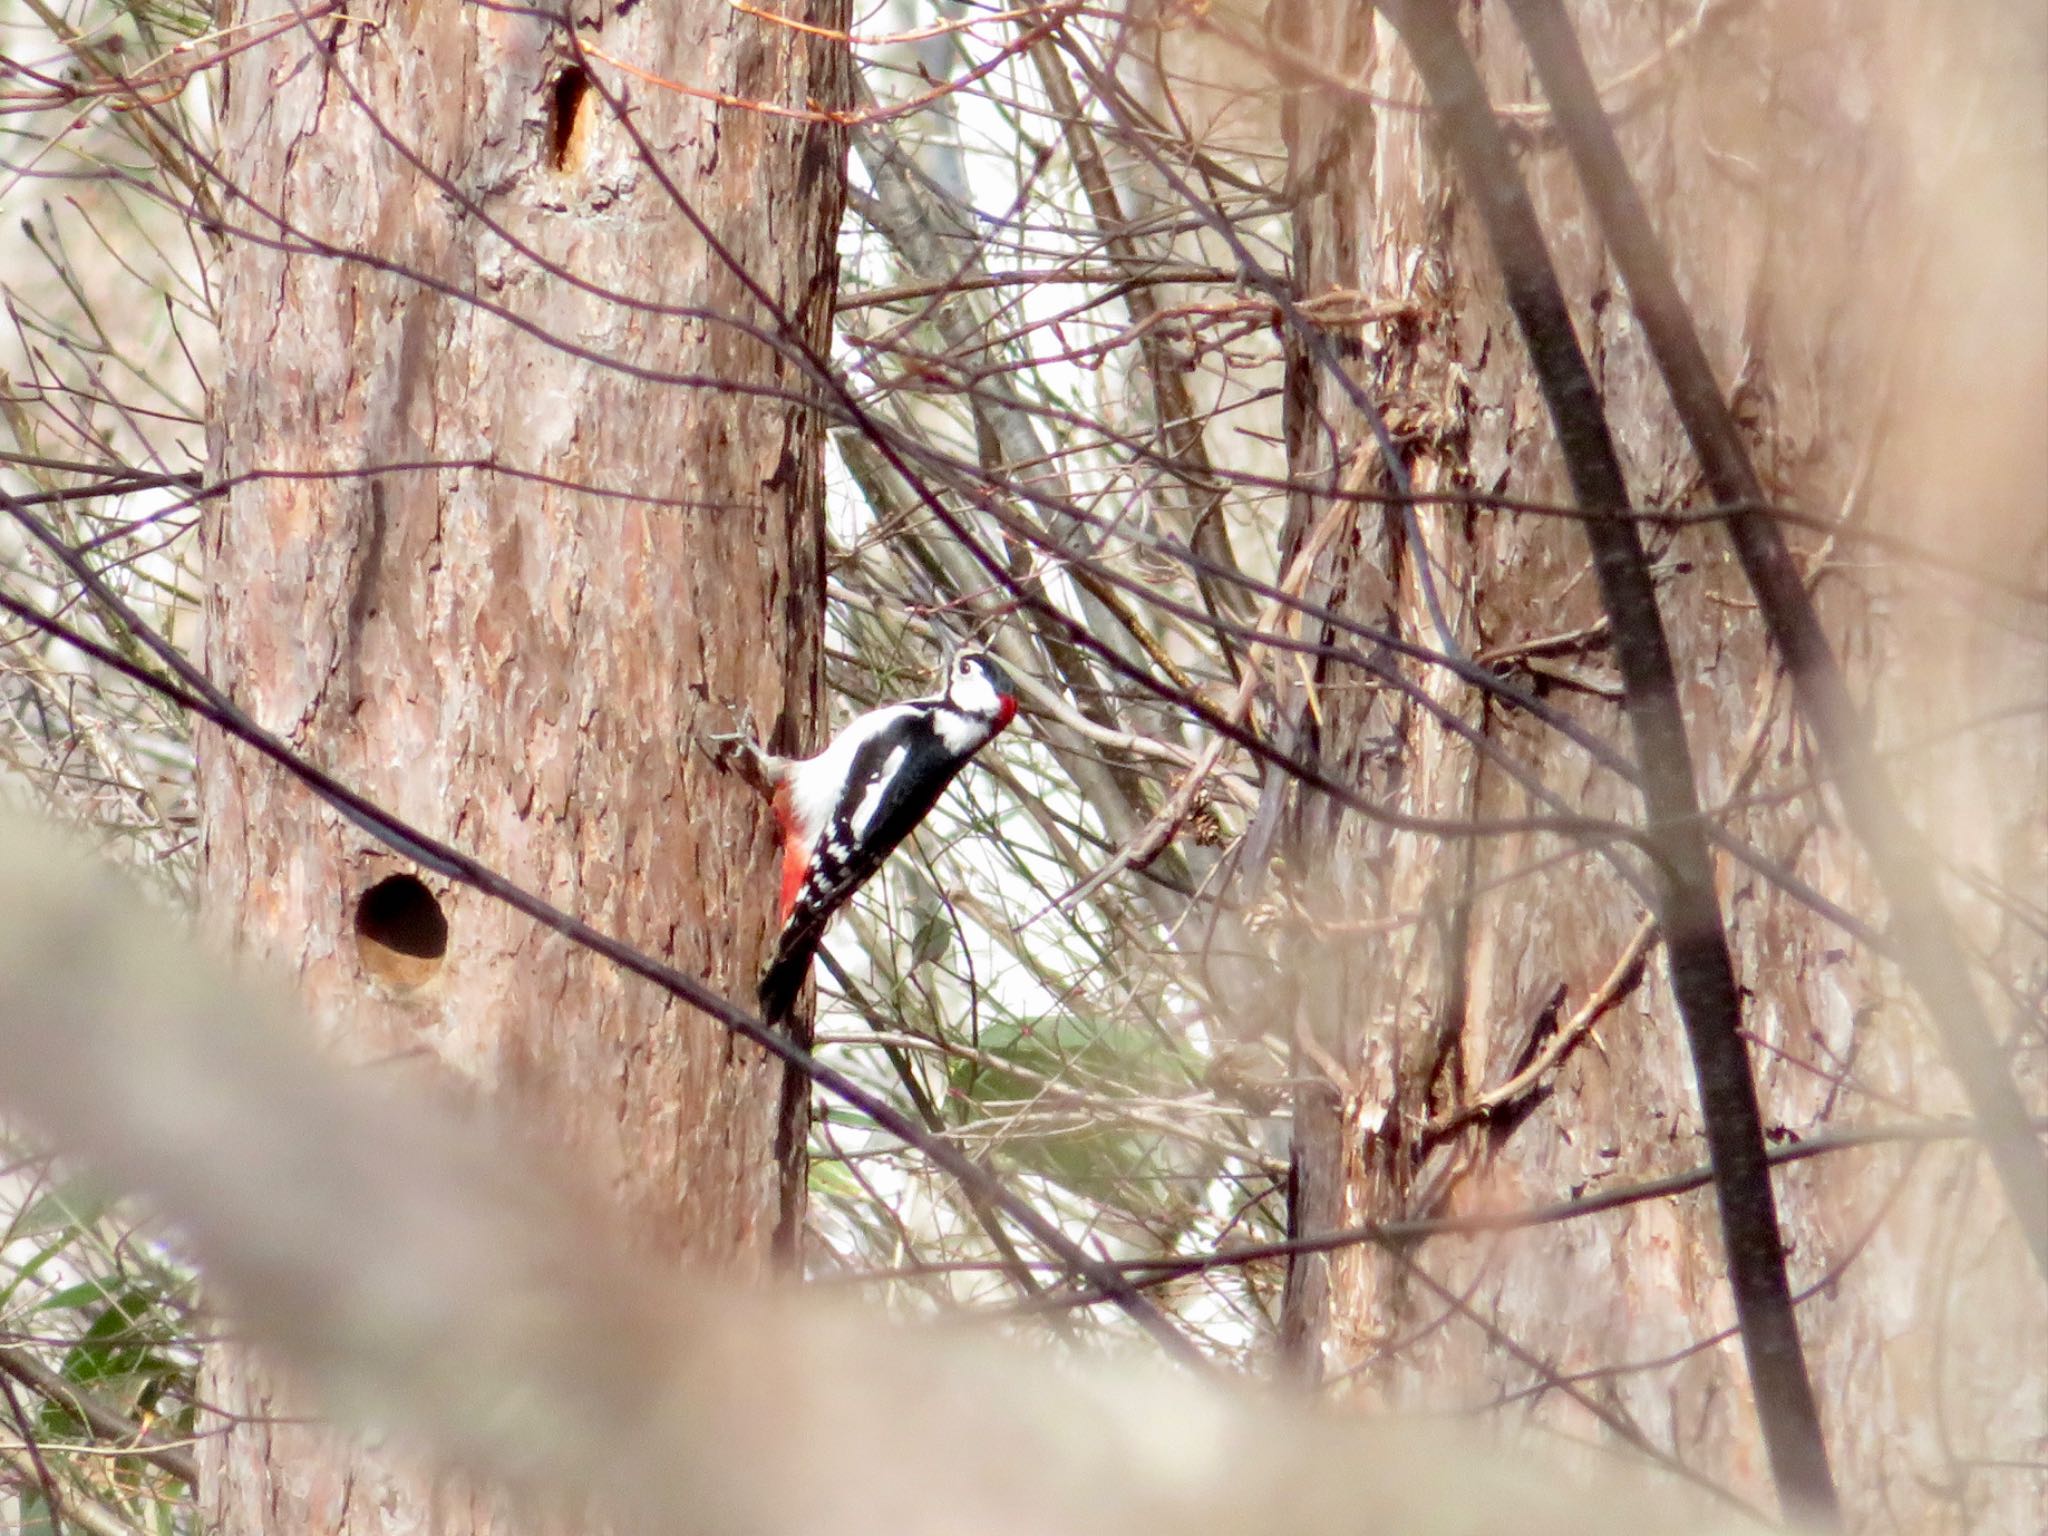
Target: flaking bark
point(1781, 207)
point(514, 653)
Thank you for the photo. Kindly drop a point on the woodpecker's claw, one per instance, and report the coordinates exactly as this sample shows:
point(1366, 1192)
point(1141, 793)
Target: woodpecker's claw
point(723, 744)
point(740, 752)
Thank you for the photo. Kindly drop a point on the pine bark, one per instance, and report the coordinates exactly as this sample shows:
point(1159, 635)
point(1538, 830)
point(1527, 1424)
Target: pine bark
point(516, 510)
point(1780, 197)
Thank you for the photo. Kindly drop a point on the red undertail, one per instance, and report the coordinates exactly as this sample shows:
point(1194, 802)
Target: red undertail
point(795, 854)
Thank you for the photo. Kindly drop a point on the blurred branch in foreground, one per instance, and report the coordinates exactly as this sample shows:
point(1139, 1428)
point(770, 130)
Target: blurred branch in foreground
point(423, 1275)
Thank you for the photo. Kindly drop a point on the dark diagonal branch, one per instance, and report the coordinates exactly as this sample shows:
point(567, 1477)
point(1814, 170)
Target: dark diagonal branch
point(195, 692)
point(114, 1430)
point(1927, 950)
point(1702, 975)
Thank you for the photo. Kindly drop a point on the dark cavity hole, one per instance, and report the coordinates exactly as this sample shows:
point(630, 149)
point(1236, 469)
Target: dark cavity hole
point(572, 86)
point(400, 914)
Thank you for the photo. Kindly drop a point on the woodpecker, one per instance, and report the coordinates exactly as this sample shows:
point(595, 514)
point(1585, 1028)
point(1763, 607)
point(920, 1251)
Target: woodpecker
point(842, 813)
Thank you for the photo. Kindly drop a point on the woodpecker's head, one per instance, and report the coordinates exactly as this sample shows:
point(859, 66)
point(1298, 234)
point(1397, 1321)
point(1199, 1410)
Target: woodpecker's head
point(977, 686)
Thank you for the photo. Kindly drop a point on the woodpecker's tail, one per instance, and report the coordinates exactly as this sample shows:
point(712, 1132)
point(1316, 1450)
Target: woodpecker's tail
point(784, 978)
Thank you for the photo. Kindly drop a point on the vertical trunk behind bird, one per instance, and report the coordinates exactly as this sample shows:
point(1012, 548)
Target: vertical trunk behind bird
point(532, 509)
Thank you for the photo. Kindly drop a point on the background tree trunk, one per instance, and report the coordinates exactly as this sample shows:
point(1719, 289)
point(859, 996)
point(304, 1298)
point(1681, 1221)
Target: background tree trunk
point(1838, 261)
point(510, 662)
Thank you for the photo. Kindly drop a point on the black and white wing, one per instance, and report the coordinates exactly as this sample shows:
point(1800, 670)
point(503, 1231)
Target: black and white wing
point(896, 773)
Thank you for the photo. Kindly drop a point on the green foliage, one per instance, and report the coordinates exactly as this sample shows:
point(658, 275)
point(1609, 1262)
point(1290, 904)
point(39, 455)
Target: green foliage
point(92, 1314)
point(1086, 1066)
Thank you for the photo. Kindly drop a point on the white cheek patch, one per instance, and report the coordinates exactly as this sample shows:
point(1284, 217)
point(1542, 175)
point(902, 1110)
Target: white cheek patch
point(973, 692)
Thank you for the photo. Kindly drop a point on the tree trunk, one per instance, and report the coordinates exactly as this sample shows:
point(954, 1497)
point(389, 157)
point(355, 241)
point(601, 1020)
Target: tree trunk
point(1781, 196)
point(532, 520)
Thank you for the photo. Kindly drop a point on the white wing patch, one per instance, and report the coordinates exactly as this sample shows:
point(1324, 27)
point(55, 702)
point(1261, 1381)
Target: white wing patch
point(878, 786)
point(817, 781)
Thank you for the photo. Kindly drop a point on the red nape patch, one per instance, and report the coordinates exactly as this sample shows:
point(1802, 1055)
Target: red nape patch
point(1006, 710)
point(794, 854)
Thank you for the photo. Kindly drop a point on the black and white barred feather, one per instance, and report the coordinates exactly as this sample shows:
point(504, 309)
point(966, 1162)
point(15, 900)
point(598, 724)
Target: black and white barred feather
point(843, 812)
